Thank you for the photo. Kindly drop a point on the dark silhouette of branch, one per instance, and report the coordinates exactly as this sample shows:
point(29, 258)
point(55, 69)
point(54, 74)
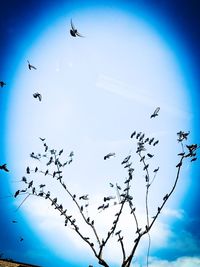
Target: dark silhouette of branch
point(121, 198)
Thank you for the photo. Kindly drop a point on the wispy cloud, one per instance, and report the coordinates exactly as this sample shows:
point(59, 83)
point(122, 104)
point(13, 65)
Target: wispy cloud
point(120, 88)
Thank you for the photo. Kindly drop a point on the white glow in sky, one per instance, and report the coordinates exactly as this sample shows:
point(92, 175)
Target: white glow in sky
point(95, 92)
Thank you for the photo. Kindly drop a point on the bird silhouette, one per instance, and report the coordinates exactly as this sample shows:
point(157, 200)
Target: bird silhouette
point(21, 239)
point(109, 155)
point(84, 197)
point(2, 84)
point(134, 133)
point(155, 143)
point(37, 95)
point(74, 32)
point(14, 221)
point(155, 113)
point(42, 139)
point(126, 159)
point(30, 184)
point(31, 66)
point(156, 170)
point(16, 193)
point(150, 155)
point(4, 168)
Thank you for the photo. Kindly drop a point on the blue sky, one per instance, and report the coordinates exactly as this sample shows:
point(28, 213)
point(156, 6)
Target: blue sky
point(97, 113)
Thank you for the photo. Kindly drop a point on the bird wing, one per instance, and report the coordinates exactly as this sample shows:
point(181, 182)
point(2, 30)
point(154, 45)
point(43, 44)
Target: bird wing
point(80, 35)
point(157, 110)
point(72, 26)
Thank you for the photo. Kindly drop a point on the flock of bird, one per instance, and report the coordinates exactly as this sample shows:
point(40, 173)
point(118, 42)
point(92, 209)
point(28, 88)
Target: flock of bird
point(74, 33)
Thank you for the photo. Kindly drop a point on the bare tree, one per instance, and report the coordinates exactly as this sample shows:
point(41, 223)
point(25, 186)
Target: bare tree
point(122, 197)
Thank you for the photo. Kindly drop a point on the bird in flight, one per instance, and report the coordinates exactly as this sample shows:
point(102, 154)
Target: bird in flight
point(109, 155)
point(2, 84)
point(31, 66)
point(4, 168)
point(155, 113)
point(73, 31)
point(37, 95)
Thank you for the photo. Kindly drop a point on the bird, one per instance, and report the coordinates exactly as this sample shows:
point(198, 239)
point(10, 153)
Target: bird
point(84, 197)
point(134, 133)
point(2, 84)
point(155, 143)
point(155, 113)
point(150, 155)
point(28, 170)
point(61, 151)
point(146, 167)
point(37, 95)
point(4, 168)
point(42, 139)
point(74, 32)
point(138, 135)
point(30, 184)
point(16, 193)
point(21, 239)
point(156, 170)
point(126, 159)
point(14, 221)
point(31, 66)
point(109, 155)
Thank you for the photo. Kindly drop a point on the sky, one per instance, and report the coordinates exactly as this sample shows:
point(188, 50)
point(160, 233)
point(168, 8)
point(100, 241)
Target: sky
point(96, 90)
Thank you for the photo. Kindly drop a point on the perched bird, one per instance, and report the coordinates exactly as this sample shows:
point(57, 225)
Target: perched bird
point(126, 159)
point(2, 84)
point(16, 193)
point(109, 155)
point(138, 135)
point(155, 143)
point(24, 179)
point(37, 95)
point(151, 141)
point(146, 167)
point(73, 31)
point(61, 151)
point(31, 66)
point(156, 170)
point(134, 133)
point(155, 113)
point(4, 168)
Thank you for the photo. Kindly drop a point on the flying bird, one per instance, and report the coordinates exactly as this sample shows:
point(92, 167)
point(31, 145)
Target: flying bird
point(37, 95)
point(2, 84)
point(155, 113)
point(150, 155)
point(31, 66)
point(4, 168)
point(73, 31)
point(109, 155)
